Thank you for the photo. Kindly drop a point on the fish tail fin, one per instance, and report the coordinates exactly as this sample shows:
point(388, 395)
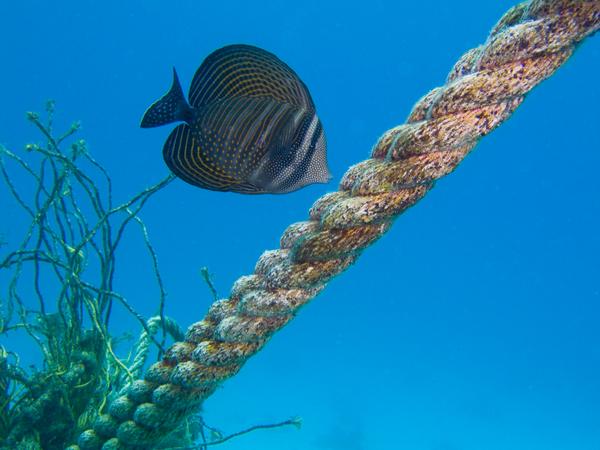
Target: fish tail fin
point(171, 107)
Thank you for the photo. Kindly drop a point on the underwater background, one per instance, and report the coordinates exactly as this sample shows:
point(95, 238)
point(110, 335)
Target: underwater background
point(473, 324)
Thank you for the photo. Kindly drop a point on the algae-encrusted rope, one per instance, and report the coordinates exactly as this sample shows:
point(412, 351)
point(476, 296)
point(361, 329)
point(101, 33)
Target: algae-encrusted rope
point(486, 85)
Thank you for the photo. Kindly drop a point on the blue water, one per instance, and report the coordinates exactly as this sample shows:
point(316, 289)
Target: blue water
point(473, 324)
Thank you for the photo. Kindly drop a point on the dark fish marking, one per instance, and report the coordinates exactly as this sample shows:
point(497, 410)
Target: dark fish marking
point(250, 126)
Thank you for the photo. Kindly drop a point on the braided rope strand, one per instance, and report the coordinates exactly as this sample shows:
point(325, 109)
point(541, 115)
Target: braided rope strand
point(483, 89)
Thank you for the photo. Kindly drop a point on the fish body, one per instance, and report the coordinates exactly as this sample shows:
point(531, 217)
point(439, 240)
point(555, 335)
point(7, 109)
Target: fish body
point(250, 125)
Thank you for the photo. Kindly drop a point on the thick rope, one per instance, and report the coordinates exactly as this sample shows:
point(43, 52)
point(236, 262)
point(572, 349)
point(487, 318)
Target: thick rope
point(144, 343)
point(483, 89)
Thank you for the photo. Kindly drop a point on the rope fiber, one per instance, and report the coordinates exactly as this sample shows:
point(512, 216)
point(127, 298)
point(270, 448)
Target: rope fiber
point(483, 89)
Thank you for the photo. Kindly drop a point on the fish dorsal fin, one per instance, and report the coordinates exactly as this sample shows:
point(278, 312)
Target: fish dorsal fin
point(247, 71)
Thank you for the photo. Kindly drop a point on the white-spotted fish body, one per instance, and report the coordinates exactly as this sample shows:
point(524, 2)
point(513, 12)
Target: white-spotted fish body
point(250, 126)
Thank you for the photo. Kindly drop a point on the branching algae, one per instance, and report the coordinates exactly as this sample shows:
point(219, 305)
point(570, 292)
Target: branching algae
point(66, 263)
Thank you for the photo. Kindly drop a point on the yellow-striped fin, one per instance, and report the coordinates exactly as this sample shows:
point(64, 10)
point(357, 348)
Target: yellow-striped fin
point(247, 71)
point(186, 159)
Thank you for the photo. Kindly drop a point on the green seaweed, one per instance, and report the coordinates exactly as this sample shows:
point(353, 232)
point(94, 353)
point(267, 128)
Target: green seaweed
point(60, 295)
point(66, 262)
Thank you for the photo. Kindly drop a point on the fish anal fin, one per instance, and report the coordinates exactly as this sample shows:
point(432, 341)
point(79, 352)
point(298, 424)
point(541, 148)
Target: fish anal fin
point(184, 156)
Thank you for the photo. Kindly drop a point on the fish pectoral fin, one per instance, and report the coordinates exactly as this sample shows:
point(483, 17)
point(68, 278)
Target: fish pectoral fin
point(247, 188)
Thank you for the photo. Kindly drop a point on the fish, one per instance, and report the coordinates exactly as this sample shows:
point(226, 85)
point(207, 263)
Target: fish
point(249, 125)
